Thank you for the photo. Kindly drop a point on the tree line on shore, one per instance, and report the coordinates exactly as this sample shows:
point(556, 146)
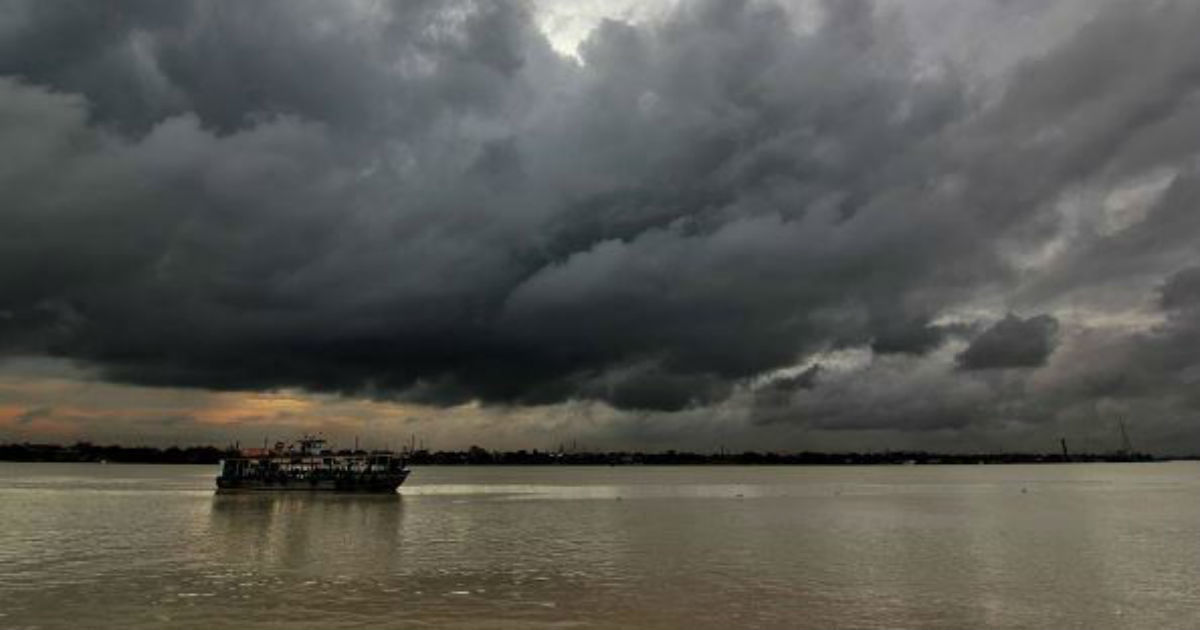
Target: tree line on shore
point(88, 452)
point(476, 455)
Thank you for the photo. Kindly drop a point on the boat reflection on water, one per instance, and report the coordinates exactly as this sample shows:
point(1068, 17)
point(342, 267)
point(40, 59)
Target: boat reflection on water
point(288, 530)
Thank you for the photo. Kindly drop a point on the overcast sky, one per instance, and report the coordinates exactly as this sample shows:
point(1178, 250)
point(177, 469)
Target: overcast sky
point(799, 225)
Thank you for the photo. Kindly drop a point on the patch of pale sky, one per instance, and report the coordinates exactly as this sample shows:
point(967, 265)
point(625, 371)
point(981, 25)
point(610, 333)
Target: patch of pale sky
point(567, 23)
point(1128, 203)
point(70, 405)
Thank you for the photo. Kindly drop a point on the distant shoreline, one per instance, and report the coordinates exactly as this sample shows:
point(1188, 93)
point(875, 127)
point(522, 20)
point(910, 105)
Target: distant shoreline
point(85, 452)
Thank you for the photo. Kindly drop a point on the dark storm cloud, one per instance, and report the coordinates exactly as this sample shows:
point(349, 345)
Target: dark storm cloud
point(425, 200)
point(1181, 292)
point(774, 399)
point(907, 337)
point(382, 67)
point(510, 227)
point(1011, 343)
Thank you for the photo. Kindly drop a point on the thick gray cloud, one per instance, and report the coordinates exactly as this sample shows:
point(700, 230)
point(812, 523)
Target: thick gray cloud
point(1181, 292)
point(1012, 343)
point(425, 200)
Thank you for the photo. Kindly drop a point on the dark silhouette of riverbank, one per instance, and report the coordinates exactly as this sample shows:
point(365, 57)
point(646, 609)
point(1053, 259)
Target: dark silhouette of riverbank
point(87, 452)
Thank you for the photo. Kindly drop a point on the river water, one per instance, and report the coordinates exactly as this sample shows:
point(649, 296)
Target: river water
point(1077, 546)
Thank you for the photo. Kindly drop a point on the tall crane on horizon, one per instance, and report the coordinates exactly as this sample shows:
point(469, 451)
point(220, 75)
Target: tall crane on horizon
point(1126, 445)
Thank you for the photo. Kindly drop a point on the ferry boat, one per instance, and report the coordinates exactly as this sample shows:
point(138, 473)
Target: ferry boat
point(307, 465)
